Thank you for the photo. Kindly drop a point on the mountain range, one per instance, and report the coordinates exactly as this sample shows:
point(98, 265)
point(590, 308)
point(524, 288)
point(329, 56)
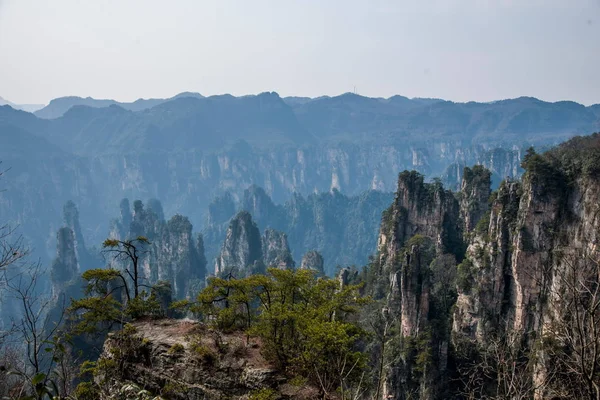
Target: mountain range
point(24, 107)
point(187, 150)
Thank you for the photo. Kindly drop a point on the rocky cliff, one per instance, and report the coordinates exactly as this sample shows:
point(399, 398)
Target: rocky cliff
point(175, 254)
point(276, 251)
point(527, 277)
point(242, 249)
point(474, 295)
point(246, 252)
point(341, 228)
point(313, 260)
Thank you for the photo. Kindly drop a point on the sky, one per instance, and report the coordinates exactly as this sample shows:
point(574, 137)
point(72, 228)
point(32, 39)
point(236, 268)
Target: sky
point(458, 50)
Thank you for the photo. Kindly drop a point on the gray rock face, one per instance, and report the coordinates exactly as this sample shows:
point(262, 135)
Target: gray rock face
point(313, 260)
point(420, 208)
point(341, 228)
point(276, 251)
point(511, 282)
point(487, 265)
point(71, 220)
point(474, 194)
point(174, 255)
point(65, 267)
point(242, 249)
point(246, 252)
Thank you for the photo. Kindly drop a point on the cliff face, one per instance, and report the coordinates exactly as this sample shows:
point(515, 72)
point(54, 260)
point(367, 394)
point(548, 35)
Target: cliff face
point(247, 252)
point(174, 254)
point(419, 241)
point(313, 260)
point(474, 194)
point(484, 284)
point(242, 249)
point(341, 228)
point(276, 251)
point(420, 209)
point(65, 267)
point(72, 256)
point(527, 274)
point(535, 228)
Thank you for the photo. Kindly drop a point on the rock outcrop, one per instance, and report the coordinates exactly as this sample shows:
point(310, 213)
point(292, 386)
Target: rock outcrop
point(276, 251)
point(421, 208)
point(419, 241)
point(186, 360)
point(246, 252)
point(313, 260)
point(65, 267)
point(242, 249)
point(525, 255)
point(174, 254)
point(475, 191)
point(341, 228)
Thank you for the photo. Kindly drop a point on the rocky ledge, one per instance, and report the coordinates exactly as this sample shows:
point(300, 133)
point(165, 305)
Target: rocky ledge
point(183, 359)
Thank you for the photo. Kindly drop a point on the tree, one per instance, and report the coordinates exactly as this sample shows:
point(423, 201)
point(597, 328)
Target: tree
point(104, 305)
point(128, 251)
point(383, 330)
point(305, 323)
point(502, 367)
point(42, 370)
point(572, 338)
point(11, 246)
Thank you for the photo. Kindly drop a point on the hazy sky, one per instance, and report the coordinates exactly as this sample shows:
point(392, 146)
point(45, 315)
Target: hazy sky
point(454, 49)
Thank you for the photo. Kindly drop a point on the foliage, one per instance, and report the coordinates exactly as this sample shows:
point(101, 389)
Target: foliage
point(114, 297)
point(578, 157)
point(478, 175)
point(85, 391)
point(263, 394)
point(203, 353)
point(542, 172)
point(177, 348)
point(483, 224)
point(465, 275)
point(305, 322)
point(564, 164)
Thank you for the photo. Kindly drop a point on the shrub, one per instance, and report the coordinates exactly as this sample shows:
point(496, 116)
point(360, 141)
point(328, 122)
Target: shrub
point(203, 353)
point(465, 275)
point(263, 394)
point(177, 348)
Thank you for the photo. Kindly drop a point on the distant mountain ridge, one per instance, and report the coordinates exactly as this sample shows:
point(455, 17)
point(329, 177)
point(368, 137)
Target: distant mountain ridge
point(396, 109)
point(191, 121)
point(24, 107)
point(59, 106)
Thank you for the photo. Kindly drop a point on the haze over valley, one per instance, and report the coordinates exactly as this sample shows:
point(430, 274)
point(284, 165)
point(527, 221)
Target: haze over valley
point(267, 200)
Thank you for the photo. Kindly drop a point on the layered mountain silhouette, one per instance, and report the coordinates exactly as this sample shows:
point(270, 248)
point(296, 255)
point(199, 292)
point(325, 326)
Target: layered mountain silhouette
point(189, 149)
point(24, 107)
point(58, 107)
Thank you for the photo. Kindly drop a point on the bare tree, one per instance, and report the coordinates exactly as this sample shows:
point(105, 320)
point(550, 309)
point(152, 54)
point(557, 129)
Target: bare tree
point(11, 246)
point(36, 333)
point(501, 368)
point(382, 327)
point(573, 334)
